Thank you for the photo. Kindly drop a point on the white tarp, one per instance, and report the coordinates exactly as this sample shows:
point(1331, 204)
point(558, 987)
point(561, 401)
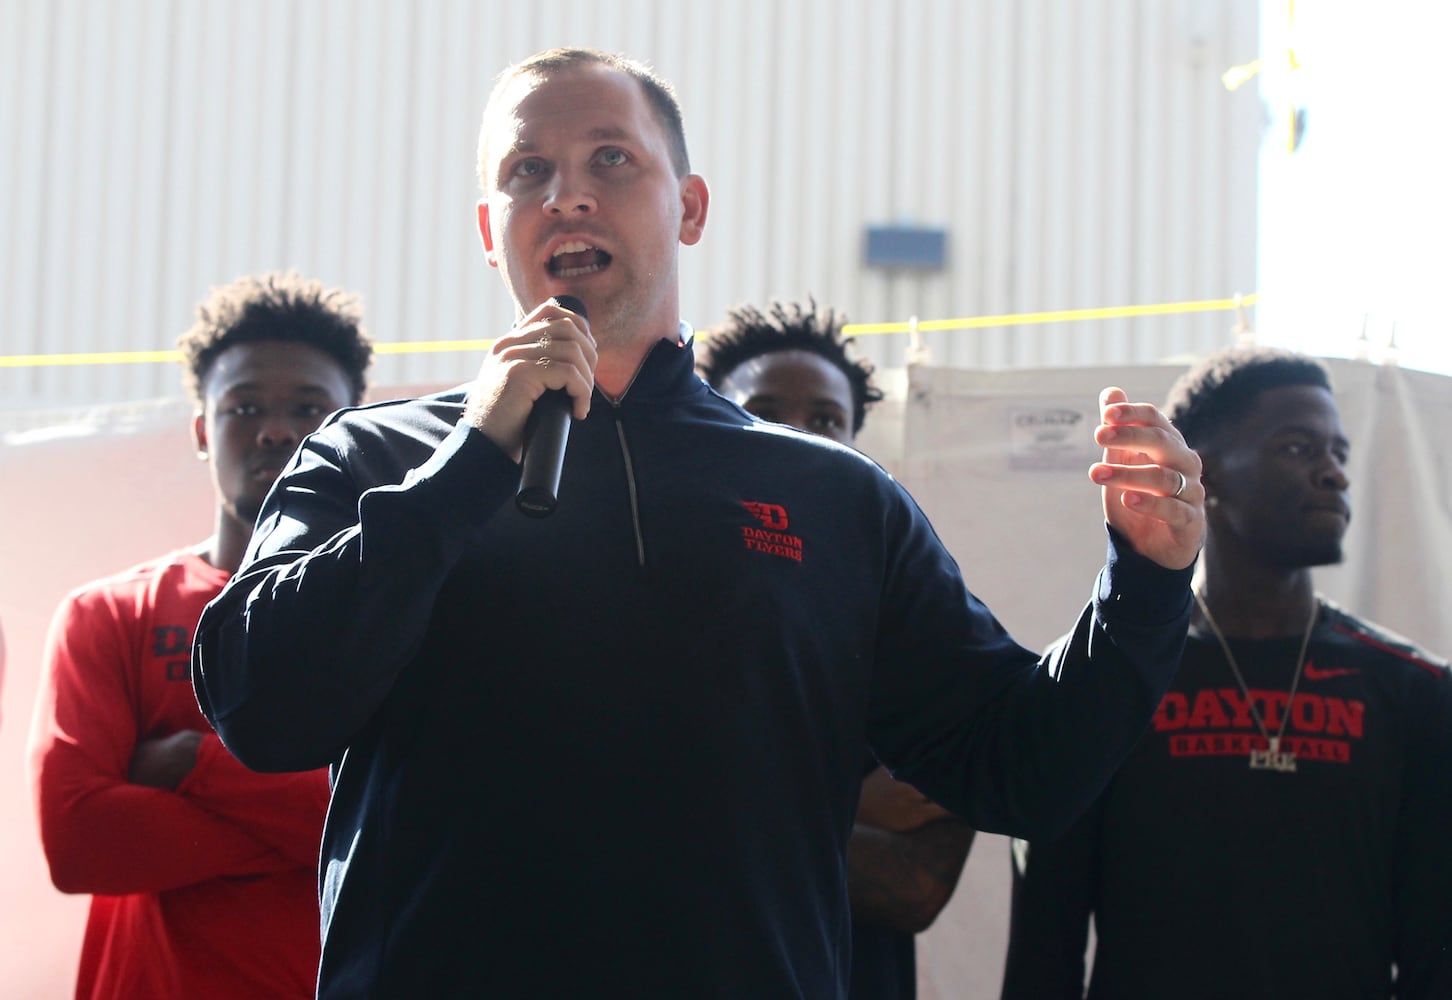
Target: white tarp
point(997, 460)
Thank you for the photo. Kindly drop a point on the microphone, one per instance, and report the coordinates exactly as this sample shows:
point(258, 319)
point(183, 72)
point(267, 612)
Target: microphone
point(545, 434)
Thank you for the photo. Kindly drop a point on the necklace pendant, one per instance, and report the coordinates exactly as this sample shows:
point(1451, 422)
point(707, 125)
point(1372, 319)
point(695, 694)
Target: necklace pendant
point(1271, 758)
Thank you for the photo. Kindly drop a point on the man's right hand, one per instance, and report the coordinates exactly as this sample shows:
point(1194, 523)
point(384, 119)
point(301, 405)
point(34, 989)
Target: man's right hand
point(164, 762)
point(551, 348)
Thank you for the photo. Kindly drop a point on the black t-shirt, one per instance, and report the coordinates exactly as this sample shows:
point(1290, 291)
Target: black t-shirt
point(1207, 878)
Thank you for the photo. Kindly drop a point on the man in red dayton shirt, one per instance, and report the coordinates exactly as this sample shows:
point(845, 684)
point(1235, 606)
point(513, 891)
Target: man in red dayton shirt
point(203, 873)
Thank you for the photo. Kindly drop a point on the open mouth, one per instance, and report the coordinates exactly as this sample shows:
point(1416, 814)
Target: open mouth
point(575, 258)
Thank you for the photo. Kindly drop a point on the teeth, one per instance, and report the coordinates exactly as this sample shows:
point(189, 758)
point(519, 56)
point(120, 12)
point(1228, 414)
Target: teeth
point(573, 246)
point(575, 272)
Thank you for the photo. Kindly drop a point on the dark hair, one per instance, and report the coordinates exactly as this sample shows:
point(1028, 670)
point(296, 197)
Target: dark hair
point(1220, 389)
point(786, 326)
point(279, 306)
point(658, 92)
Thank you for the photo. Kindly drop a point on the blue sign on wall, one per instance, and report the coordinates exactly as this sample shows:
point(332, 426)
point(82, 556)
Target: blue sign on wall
point(923, 247)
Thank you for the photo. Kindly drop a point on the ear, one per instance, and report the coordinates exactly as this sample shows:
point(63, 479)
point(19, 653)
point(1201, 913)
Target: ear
point(1209, 472)
point(484, 233)
point(695, 198)
point(199, 434)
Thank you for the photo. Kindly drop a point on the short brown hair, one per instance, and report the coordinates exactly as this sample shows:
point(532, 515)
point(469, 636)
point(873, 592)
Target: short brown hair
point(660, 94)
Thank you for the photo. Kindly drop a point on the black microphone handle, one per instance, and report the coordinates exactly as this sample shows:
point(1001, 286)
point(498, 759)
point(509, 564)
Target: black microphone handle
point(546, 433)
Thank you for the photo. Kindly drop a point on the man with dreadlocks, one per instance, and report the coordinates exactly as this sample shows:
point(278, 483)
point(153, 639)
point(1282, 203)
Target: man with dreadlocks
point(790, 365)
point(1281, 830)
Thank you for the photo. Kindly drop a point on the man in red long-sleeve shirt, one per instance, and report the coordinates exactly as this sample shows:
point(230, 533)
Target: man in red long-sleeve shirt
point(203, 873)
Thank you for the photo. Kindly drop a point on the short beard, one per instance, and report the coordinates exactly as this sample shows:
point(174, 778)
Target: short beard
point(1326, 553)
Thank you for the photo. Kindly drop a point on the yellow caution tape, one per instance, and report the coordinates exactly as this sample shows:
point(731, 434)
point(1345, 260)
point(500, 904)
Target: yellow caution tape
point(850, 330)
point(1058, 316)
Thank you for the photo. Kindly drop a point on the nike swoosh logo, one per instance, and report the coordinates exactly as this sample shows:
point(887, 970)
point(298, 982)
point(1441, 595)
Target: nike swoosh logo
point(1313, 673)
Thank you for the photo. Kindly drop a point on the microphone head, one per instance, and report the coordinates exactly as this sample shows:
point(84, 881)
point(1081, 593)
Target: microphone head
point(573, 304)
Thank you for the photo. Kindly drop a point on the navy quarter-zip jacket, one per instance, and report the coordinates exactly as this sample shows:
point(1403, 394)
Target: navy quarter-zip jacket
point(617, 751)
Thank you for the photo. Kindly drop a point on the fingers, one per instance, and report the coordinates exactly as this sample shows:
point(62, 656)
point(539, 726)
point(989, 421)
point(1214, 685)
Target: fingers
point(550, 348)
point(1160, 483)
point(1107, 398)
point(1112, 394)
point(554, 350)
point(1144, 453)
point(1151, 480)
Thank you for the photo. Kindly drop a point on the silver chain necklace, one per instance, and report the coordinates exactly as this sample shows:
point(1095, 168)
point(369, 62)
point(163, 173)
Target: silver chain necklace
point(1271, 758)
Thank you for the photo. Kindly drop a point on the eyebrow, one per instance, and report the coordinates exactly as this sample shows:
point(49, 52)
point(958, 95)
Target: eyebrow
point(602, 133)
point(609, 132)
point(1304, 431)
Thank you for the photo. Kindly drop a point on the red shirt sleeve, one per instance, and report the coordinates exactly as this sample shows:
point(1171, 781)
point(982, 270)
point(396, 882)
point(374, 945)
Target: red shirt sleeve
point(284, 811)
point(102, 834)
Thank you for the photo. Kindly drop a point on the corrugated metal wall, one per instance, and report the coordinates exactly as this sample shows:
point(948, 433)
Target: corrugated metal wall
point(1079, 153)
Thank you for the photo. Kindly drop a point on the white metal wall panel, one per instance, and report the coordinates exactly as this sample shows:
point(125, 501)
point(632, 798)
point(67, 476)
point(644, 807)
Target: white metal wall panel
point(1078, 153)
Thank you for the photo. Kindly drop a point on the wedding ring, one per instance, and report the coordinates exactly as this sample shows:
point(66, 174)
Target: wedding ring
point(1183, 483)
point(543, 362)
point(544, 342)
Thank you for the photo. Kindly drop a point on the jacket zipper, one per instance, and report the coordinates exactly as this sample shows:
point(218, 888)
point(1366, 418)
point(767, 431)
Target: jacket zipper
point(615, 402)
point(629, 482)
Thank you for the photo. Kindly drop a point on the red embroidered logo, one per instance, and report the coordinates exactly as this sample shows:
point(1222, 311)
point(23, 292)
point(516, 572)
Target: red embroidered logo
point(772, 516)
point(771, 537)
point(1315, 673)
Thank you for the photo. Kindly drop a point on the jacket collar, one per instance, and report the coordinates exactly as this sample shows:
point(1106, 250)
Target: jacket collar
point(668, 371)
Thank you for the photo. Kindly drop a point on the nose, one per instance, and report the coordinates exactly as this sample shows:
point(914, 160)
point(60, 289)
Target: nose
point(276, 431)
point(570, 193)
point(1332, 474)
